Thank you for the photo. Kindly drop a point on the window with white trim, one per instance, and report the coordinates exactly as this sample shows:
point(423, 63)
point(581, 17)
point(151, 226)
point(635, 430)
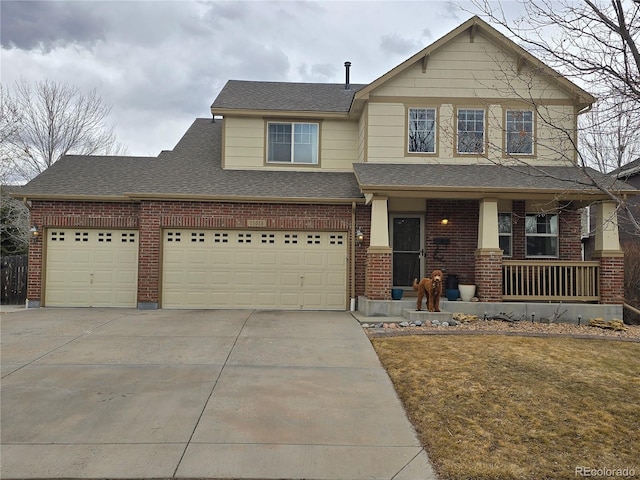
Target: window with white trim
point(422, 130)
point(470, 130)
point(292, 142)
point(519, 132)
point(541, 233)
point(505, 233)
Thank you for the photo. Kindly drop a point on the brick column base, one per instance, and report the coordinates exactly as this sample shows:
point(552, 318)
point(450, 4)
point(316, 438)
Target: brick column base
point(611, 278)
point(378, 275)
point(489, 275)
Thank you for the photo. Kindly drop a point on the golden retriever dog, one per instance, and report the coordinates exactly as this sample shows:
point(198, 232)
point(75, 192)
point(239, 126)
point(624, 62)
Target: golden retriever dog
point(432, 288)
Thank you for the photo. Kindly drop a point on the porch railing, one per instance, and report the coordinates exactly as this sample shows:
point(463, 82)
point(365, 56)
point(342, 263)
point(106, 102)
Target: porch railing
point(550, 280)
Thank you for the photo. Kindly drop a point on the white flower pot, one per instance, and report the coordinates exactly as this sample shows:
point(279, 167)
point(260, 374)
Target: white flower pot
point(467, 292)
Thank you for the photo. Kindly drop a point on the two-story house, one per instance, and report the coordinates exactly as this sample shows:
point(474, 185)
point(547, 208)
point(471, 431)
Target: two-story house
point(310, 196)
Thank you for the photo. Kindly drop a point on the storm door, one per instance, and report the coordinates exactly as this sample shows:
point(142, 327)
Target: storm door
point(407, 243)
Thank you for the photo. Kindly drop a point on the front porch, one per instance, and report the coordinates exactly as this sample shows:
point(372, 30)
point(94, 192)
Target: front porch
point(470, 247)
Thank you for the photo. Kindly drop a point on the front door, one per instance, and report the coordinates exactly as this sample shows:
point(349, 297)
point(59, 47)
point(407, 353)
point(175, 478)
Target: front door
point(407, 241)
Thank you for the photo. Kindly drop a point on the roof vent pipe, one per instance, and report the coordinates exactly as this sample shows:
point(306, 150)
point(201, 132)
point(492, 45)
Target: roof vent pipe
point(347, 85)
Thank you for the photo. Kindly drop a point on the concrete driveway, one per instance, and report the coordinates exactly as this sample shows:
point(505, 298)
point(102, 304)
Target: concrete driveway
point(112, 393)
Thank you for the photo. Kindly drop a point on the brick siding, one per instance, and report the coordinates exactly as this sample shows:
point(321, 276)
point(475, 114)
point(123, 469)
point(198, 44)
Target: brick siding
point(462, 232)
point(150, 217)
point(489, 277)
point(612, 280)
point(378, 276)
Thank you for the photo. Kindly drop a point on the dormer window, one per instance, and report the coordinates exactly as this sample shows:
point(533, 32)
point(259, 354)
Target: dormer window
point(292, 142)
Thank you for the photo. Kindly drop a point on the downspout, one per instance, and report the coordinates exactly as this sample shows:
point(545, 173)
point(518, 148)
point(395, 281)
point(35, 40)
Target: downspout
point(352, 306)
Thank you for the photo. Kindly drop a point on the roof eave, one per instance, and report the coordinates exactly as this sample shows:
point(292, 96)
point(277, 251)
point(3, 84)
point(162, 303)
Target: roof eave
point(242, 198)
point(418, 191)
point(239, 112)
point(70, 197)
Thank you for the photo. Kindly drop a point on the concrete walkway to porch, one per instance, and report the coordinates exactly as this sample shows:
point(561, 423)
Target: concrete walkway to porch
point(123, 393)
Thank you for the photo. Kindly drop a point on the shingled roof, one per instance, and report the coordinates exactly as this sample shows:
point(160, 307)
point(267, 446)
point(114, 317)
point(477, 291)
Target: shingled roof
point(191, 170)
point(485, 178)
point(627, 170)
point(285, 96)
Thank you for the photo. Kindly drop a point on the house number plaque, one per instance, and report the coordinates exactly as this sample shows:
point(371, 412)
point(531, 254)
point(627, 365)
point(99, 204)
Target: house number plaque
point(256, 223)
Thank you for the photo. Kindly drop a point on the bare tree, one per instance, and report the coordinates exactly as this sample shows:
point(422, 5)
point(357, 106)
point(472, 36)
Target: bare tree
point(595, 43)
point(54, 119)
point(609, 136)
point(9, 125)
point(14, 224)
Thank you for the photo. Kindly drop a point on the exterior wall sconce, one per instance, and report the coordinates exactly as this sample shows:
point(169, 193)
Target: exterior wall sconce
point(359, 237)
point(34, 231)
point(444, 221)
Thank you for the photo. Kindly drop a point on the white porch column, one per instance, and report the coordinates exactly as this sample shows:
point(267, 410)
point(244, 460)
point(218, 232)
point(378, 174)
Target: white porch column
point(607, 239)
point(379, 222)
point(488, 225)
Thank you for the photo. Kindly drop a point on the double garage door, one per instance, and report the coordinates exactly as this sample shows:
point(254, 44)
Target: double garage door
point(200, 269)
point(91, 268)
point(254, 269)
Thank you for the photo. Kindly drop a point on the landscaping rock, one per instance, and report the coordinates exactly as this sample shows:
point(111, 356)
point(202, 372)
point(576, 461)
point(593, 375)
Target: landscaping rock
point(366, 325)
point(453, 323)
point(435, 323)
point(418, 323)
point(404, 324)
point(445, 324)
point(379, 325)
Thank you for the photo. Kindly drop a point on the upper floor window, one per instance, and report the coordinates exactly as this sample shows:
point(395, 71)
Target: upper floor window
point(541, 232)
point(292, 142)
point(422, 130)
point(519, 132)
point(505, 233)
point(470, 130)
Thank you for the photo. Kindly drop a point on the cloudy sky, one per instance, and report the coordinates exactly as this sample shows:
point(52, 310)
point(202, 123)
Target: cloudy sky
point(160, 64)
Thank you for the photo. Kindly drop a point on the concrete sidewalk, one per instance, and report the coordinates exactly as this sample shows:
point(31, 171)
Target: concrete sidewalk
point(112, 393)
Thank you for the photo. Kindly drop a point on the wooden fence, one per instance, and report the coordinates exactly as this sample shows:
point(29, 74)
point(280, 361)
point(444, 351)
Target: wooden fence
point(13, 279)
point(550, 280)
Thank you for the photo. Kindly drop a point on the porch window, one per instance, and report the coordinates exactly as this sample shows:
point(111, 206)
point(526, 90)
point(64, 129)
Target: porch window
point(541, 232)
point(505, 233)
point(519, 132)
point(292, 143)
point(470, 131)
point(422, 130)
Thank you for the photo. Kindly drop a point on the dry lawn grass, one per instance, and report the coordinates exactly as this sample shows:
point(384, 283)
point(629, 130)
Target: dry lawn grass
point(517, 407)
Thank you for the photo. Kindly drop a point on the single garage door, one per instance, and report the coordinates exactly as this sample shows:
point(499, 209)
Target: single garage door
point(254, 269)
point(91, 268)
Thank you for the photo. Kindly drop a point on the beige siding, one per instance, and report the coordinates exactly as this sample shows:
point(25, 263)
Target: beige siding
point(362, 136)
point(470, 70)
point(244, 145)
point(386, 132)
point(468, 75)
point(243, 142)
point(339, 145)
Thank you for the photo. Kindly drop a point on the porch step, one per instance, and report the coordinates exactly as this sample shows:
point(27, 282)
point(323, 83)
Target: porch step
point(412, 315)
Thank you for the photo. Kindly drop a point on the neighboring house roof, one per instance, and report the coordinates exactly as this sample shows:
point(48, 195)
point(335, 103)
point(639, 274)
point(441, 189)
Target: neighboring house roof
point(628, 170)
point(8, 189)
point(284, 96)
point(192, 170)
point(474, 24)
point(479, 180)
